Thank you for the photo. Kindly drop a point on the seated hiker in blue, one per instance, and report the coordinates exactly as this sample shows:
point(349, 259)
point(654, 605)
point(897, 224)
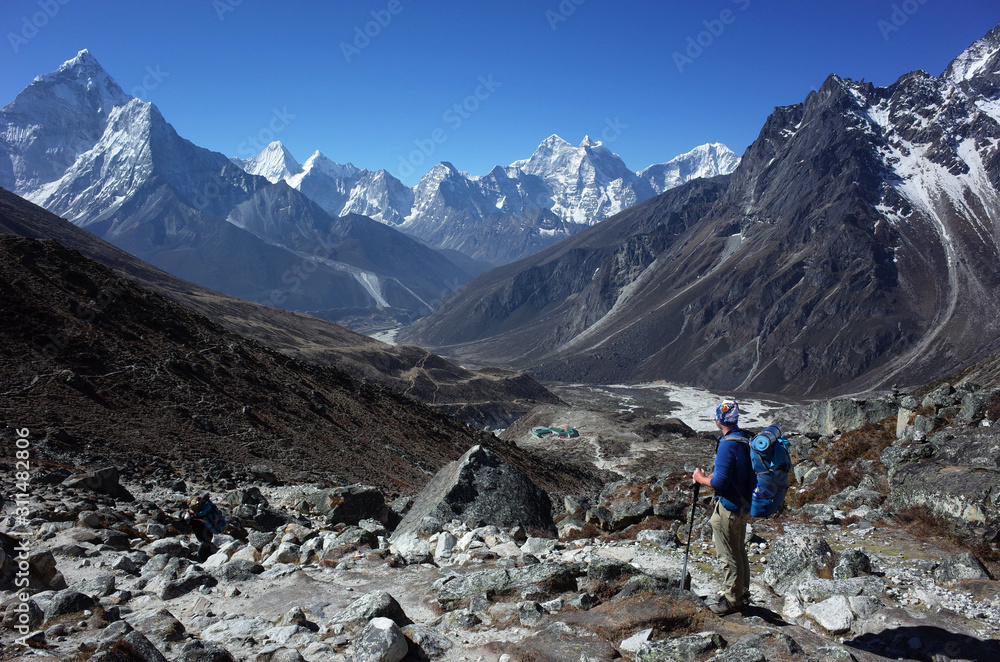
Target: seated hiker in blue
point(206, 521)
point(733, 481)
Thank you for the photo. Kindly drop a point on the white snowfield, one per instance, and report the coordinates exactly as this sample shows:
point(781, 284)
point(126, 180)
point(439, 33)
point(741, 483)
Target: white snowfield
point(697, 406)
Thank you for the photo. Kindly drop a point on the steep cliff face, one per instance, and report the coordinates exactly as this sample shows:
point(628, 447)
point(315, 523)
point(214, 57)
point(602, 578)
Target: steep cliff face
point(855, 244)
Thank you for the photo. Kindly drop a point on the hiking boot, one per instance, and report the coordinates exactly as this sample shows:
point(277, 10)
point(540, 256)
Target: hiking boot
point(723, 607)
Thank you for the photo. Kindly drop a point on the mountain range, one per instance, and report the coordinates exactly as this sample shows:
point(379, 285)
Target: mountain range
point(854, 246)
point(74, 143)
point(505, 215)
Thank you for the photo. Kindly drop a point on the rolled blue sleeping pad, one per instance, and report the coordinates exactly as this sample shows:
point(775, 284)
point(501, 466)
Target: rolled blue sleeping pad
point(767, 437)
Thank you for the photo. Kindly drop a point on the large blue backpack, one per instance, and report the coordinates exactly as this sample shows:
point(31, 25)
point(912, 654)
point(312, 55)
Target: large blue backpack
point(772, 463)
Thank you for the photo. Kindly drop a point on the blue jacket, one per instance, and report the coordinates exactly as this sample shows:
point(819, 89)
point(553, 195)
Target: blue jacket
point(733, 478)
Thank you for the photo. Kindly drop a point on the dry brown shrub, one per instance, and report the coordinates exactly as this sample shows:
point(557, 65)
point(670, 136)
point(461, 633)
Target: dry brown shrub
point(919, 520)
point(923, 524)
point(666, 615)
point(992, 412)
point(629, 533)
point(589, 530)
point(864, 443)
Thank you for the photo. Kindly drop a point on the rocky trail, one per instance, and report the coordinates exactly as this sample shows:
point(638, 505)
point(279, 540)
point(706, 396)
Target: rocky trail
point(482, 565)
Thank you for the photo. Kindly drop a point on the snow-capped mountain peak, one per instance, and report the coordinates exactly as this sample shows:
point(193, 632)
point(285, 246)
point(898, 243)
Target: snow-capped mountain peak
point(54, 120)
point(546, 149)
point(976, 59)
point(74, 142)
point(708, 160)
point(320, 163)
point(340, 189)
point(80, 83)
point(274, 162)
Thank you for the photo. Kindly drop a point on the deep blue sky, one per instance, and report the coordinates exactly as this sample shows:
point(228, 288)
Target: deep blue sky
point(219, 69)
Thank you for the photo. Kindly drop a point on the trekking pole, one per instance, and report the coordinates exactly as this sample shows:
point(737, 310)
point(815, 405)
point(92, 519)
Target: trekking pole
point(685, 579)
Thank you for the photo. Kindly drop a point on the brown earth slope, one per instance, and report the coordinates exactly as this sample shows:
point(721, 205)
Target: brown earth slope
point(102, 371)
point(482, 398)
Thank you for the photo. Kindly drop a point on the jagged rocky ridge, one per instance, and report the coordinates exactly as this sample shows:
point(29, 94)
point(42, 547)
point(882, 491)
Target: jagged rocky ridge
point(76, 144)
point(502, 216)
point(338, 574)
point(855, 245)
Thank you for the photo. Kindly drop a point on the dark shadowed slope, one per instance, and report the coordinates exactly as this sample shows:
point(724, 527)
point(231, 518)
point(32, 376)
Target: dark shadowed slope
point(103, 371)
point(483, 398)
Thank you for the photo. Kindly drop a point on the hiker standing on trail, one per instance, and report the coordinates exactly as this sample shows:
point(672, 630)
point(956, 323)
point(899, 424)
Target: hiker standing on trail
point(206, 521)
point(733, 481)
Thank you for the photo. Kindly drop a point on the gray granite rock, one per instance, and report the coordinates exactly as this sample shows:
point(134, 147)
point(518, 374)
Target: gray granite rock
point(429, 643)
point(67, 601)
point(959, 567)
point(682, 648)
point(795, 558)
point(482, 487)
point(377, 604)
point(833, 614)
point(380, 641)
point(347, 505)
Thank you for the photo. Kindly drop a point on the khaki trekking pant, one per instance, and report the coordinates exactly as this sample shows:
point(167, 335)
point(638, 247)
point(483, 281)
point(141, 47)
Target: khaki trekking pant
point(729, 532)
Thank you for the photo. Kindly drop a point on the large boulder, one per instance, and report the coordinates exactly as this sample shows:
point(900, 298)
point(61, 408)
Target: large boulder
point(954, 476)
point(847, 414)
point(378, 604)
point(684, 647)
point(458, 589)
point(175, 588)
point(347, 505)
point(67, 601)
point(795, 559)
point(103, 481)
point(380, 641)
point(960, 567)
point(833, 614)
point(251, 508)
point(133, 646)
point(204, 651)
point(427, 642)
point(160, 625)
point(480, 486)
